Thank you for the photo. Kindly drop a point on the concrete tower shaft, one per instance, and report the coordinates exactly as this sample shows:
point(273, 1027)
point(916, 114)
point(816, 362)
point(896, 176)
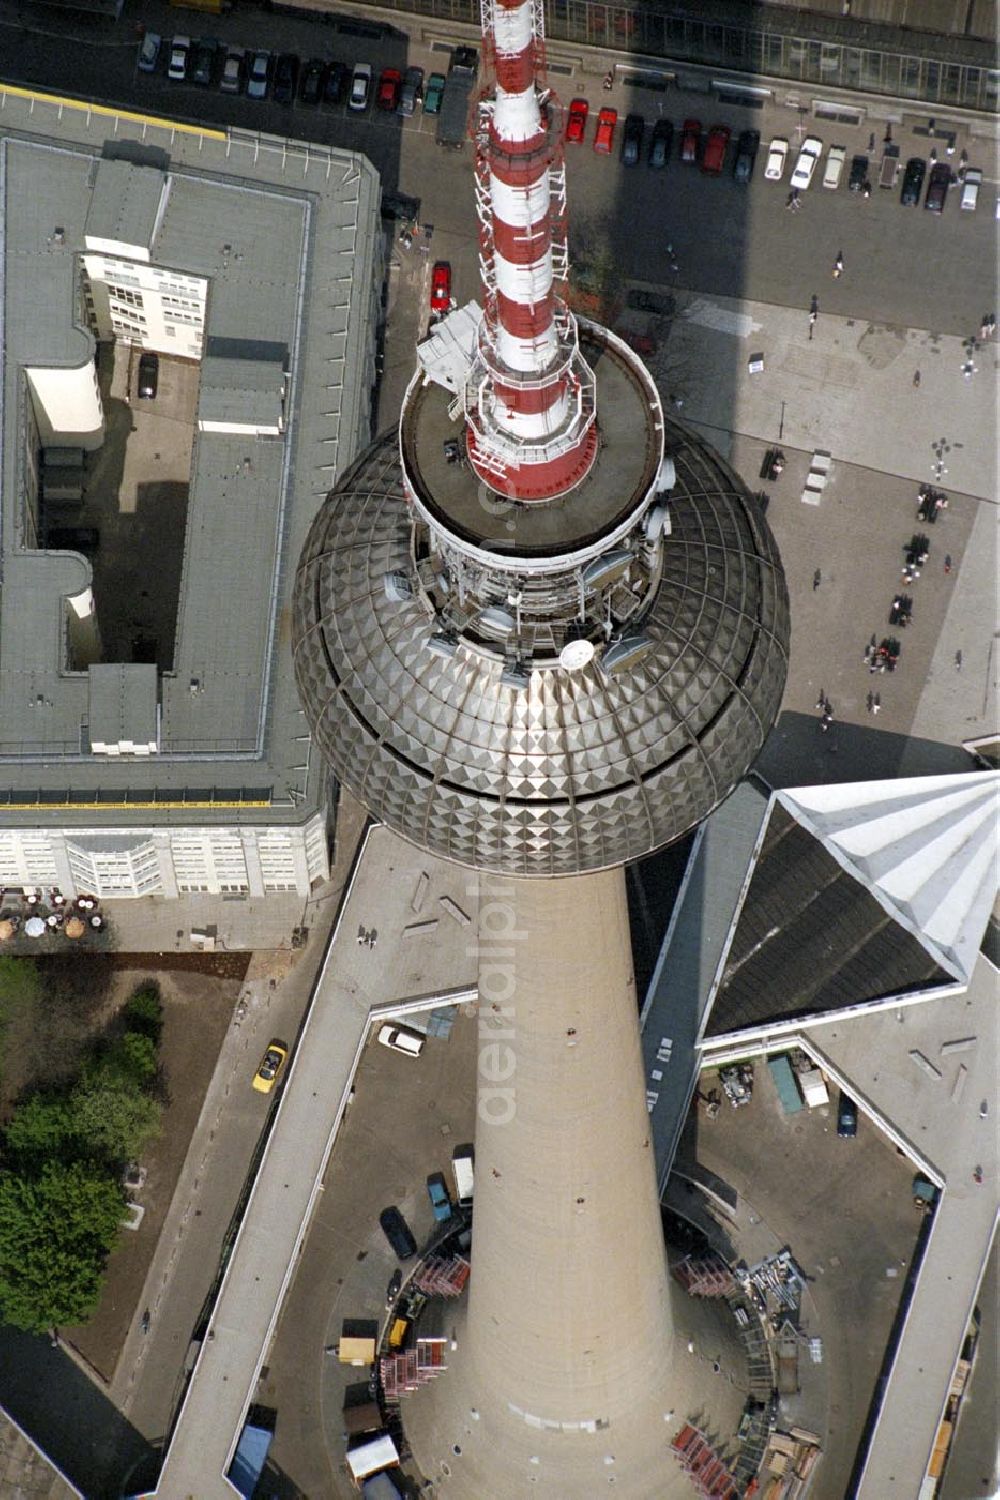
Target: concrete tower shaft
point(530, 398)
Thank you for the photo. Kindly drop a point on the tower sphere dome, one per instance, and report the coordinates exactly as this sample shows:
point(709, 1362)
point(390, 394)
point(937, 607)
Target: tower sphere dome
point(562, 763)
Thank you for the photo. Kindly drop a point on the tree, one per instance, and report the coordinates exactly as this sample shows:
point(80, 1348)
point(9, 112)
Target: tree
point(112, 1118)
point(143, 1011)
point(41, 1126)
point(56, 1229)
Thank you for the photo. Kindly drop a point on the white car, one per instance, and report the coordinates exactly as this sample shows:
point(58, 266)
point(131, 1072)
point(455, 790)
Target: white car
point(402, 1039)
point(834, 166)
point(361, 87)
point(777, 155)
point(970, 188)
point(812, 148)
point(180, 50)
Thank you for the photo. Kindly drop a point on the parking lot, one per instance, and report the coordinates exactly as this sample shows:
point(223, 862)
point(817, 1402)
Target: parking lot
point(406, 1116)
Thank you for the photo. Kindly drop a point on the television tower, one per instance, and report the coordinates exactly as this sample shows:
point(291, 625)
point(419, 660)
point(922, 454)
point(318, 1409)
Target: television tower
point(542, 630)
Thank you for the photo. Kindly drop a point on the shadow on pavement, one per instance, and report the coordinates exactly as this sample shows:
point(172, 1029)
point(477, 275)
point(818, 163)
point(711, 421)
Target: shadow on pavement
point(70, 1419)
point(799, 753)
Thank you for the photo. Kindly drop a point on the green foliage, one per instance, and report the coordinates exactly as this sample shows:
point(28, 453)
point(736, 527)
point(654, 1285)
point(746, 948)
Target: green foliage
point(143, 1011)
point(20, 986)
point(42, 1126)
point(113, 1119)
point(56, 1229)
point(61, 1200)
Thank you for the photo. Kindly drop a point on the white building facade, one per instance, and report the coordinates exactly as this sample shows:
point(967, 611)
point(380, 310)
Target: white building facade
point(118, 863)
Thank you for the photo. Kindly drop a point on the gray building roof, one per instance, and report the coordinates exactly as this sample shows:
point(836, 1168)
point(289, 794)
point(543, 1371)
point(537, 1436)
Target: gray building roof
point(248, 392)
point(125, 203)
point(290, 239)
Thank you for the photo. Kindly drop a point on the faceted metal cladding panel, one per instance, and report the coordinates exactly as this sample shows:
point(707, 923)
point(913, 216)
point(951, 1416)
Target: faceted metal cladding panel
point(576, 772)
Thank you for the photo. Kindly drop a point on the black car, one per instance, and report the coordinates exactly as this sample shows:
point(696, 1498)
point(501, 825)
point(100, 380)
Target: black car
point(937, 188)
point(659, 144)
point(913, 181)
point(286, 76)
point(631, 151)
point(847, 1117)
point(859, 173)
point(398, 1232)
point(203, 67)
point(746, 154)
point(149, 375)
point(311, 86)
point(333, 85)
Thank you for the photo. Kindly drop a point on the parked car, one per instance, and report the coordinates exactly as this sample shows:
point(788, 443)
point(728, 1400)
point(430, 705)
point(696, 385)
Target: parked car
point(605, 132)
point(149, 52)
point(716, 145)
point(970, 188)
point(576, 121)
point(777, 155)
point(834, 169)
point(271, 1065)
point(401, 1039)
point(847, 1117)
point(311, 82)
point(411, 92)
point(937, 188)
point(746, 155)
point(361, 88)
point(913, 181)
point(389, 84)
point(233, 69)
point(149, 375)
point(180, 52)
point(659, 144)
point(205, 61)
point(259, 75)
point(691, 140)
point(433, 94)
point(398, 1232)
point(812, 149)
point(859, 173)
point(437, 1192)
point(286, 77)
point(889, 168)
point(333, 85)
point(441, 286)
point(635, 127)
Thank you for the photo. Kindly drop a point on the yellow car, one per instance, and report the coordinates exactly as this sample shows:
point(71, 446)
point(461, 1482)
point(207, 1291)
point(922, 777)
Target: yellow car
point(271, 1065)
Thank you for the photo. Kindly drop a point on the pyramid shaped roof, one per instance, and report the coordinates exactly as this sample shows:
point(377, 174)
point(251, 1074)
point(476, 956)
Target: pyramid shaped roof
point(925, 847)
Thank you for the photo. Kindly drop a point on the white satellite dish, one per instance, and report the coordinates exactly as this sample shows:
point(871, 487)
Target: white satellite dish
point(576, 654)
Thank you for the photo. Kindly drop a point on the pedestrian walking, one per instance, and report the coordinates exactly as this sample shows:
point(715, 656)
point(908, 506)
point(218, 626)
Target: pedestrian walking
point(817, 579)
point(947, 562)
point(814, 303)
point(877, 704)
point(821, 701)
point(838, 265)
point(958, 661)
point(870, 701)
point(824, 723)
point(916, 380)
point(812, 324)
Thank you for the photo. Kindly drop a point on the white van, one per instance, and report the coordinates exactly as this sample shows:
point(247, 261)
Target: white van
point(462, 1170)
point(970, 188)
point(402, 1039)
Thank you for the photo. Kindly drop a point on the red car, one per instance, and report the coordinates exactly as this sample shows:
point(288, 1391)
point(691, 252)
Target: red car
point(576, 125)
point(691, 140)
point(605, 133)
point(389, 85)
point(715, 149)
point(441, 286)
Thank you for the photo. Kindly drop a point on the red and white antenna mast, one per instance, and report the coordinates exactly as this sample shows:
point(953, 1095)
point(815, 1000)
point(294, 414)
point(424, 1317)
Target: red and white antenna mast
point(529, 401)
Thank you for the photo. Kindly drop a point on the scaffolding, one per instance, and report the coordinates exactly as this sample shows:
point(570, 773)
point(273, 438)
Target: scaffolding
point(442, 1276)
point(399, 1374)
point(705, 1276)
point(703, 1466)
